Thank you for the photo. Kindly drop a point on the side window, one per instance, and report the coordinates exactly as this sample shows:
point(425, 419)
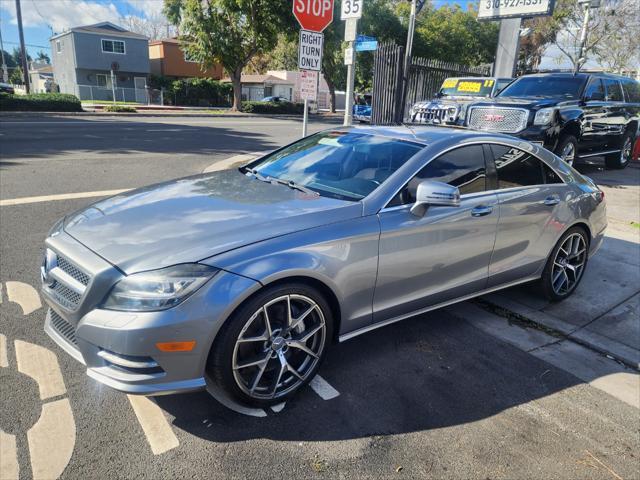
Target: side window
point(631, 91)
point(595, 90)
point(614, 92)
point(550, 176)
point(463, 168)
point(516, 168)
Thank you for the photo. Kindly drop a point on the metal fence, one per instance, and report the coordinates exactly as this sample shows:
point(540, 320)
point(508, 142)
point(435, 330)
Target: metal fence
point(423, 82)
point(94, 93)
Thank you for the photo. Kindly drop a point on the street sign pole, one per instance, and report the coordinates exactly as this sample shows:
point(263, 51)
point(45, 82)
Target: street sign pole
point(305, 118)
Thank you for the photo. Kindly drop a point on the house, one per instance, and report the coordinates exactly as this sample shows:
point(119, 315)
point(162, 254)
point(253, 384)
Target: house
point(94, 62)
point(167, 59)
point(293, 77)
point(41, 77)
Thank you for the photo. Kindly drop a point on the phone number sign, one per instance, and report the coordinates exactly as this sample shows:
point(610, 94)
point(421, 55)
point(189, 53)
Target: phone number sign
point(496, 9)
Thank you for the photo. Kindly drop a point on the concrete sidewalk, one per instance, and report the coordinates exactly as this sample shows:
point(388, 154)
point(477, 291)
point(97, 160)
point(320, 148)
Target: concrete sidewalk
point(604, 312)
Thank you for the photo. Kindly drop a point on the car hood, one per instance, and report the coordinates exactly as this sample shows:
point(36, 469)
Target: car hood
point(194, 218)
point(528, 103)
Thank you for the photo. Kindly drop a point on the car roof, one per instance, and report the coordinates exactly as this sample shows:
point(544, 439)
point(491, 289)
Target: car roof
point(424, 134)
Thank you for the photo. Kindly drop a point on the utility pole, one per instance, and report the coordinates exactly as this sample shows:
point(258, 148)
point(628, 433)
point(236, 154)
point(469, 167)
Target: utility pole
point(23, 51)
point(587, 5)
point(5, 74)
point(407, 61)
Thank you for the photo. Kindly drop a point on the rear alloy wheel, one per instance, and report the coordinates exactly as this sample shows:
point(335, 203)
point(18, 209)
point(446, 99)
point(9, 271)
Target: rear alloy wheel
point(566, 264)
point(273, 346)
point(621, 159)
point(567, 149)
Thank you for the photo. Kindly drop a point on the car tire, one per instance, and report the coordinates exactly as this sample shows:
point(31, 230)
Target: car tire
point(566, 265)
point(621, 159)
point(282, 361)
point(568, 147)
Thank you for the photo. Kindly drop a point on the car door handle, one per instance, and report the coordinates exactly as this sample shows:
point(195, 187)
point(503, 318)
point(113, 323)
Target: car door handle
point(552, 200)
point(481, 211)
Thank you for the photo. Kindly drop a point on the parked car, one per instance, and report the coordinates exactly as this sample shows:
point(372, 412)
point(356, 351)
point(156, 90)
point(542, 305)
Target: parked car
point(275, 99)
point(580, 117)
point(244, 277)
point(452, 99)
point(6, 88)
point(362, 108)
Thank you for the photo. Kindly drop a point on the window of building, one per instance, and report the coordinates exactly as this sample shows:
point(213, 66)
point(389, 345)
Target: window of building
point(614, 92)
point(463, 168)
point(103, 80)
point(113, 46)
point(58, 46)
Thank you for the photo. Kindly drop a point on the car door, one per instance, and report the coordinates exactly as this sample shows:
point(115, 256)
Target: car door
point(616, 115)
point(445, 254)
point(594, 122)
point(531, 201)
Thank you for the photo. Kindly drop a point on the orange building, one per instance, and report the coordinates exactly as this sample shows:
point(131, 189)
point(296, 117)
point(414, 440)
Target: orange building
point(167, 59)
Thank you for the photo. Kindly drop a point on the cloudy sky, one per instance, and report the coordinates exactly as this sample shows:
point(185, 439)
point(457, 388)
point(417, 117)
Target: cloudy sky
point(41, 18)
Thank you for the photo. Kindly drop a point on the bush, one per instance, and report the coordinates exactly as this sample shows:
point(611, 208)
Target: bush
point(197, 92)
point(273, 107)
point(40, 102)
point(119, 109)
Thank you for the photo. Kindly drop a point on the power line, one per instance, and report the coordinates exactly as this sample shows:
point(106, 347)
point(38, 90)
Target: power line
point(28, 45)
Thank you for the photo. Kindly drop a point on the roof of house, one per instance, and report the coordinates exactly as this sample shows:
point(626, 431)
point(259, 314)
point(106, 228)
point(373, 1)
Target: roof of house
point(103, 28)
point(164, 40)
point(250, 78)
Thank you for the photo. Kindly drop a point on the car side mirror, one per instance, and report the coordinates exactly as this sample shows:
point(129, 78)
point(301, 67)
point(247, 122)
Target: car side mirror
point(434, 193)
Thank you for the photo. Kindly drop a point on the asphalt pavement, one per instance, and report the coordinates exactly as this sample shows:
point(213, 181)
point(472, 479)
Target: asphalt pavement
point(435, 396)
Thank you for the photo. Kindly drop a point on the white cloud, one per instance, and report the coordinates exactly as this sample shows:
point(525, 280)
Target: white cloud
point(62, 14)
point(149, 8)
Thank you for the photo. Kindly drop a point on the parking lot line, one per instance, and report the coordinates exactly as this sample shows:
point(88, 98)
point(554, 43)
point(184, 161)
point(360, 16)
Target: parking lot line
point(4, 359)
point(63, 196)
point(40, 364)
point(9, 469)
point(323, 388)
point(154, 424)
point(24, 295)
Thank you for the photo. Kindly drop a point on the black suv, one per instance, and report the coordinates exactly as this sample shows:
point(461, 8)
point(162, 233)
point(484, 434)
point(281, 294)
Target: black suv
point(578, 117)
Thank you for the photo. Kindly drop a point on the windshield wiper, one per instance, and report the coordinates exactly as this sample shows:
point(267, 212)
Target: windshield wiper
point(257, 174)
point(293, 185)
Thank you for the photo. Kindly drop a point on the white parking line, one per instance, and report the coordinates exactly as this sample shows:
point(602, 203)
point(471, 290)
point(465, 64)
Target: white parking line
point(4, 359)
point(154, 424)
point(63, 196)
point(24, 295)
point(323, 388)
point(40, 364)
point(51, 440)
point(8, 457)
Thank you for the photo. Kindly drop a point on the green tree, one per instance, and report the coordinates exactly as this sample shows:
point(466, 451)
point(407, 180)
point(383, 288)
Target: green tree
point(8, 59)
point(42, 57)
point(17, 56)
point(16, 77)
point(229, 32)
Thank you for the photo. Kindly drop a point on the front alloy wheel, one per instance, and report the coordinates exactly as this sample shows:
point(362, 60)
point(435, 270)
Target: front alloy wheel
point(278, 340)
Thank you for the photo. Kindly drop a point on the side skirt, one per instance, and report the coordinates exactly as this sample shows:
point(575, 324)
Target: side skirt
point(384, 323)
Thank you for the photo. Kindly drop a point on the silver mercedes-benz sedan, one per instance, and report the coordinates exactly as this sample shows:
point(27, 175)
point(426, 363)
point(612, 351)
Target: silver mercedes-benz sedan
point(242, 278)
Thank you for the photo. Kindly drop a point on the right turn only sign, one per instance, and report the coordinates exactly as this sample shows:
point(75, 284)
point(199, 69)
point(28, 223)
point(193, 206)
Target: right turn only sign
point(310, 50)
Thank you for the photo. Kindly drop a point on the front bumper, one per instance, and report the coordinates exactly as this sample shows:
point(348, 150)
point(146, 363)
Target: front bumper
point(119, 348)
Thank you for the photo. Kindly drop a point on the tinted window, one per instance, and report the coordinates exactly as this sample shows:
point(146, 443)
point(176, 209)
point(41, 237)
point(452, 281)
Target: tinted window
point(614, 92)
point(631, 90)
point(549, 175)
point(595, 90)
point(339, 164)
point(500, 84)
point(463, 168)
point(545, 86)
point(516, 168)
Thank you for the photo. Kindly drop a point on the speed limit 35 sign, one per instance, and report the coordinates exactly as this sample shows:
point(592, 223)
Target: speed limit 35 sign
point(351, 9)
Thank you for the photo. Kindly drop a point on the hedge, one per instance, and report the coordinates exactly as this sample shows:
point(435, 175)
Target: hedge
point(273, 107)
point(40, 102)
point(197, 92)
point(119, 109)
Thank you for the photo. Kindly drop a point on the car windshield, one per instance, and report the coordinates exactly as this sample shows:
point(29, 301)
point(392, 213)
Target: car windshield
point(565, 86)
point(466, 87)
point(339, 164)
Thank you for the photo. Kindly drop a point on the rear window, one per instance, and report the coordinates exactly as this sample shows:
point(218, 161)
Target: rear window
point(614, 92)
point(545, 86)
point(631, 90)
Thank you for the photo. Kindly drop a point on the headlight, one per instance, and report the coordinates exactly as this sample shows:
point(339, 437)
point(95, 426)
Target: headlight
point(158, 289)
point(544, 116)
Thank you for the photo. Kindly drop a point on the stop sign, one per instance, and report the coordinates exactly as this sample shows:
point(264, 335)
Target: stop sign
point(314, 15)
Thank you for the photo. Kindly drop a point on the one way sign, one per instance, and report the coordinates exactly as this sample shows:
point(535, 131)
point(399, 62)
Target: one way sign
point(310, 52)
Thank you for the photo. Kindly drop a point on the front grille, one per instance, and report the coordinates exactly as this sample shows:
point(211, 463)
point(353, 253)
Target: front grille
point(73, 271)
point(506, 120)
point(433, 114)
point(64, 328)
point(65, 296)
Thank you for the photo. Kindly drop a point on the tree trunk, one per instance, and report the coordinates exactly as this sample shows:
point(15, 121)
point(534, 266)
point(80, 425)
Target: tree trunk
point(332, 94)
point(236, 77)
